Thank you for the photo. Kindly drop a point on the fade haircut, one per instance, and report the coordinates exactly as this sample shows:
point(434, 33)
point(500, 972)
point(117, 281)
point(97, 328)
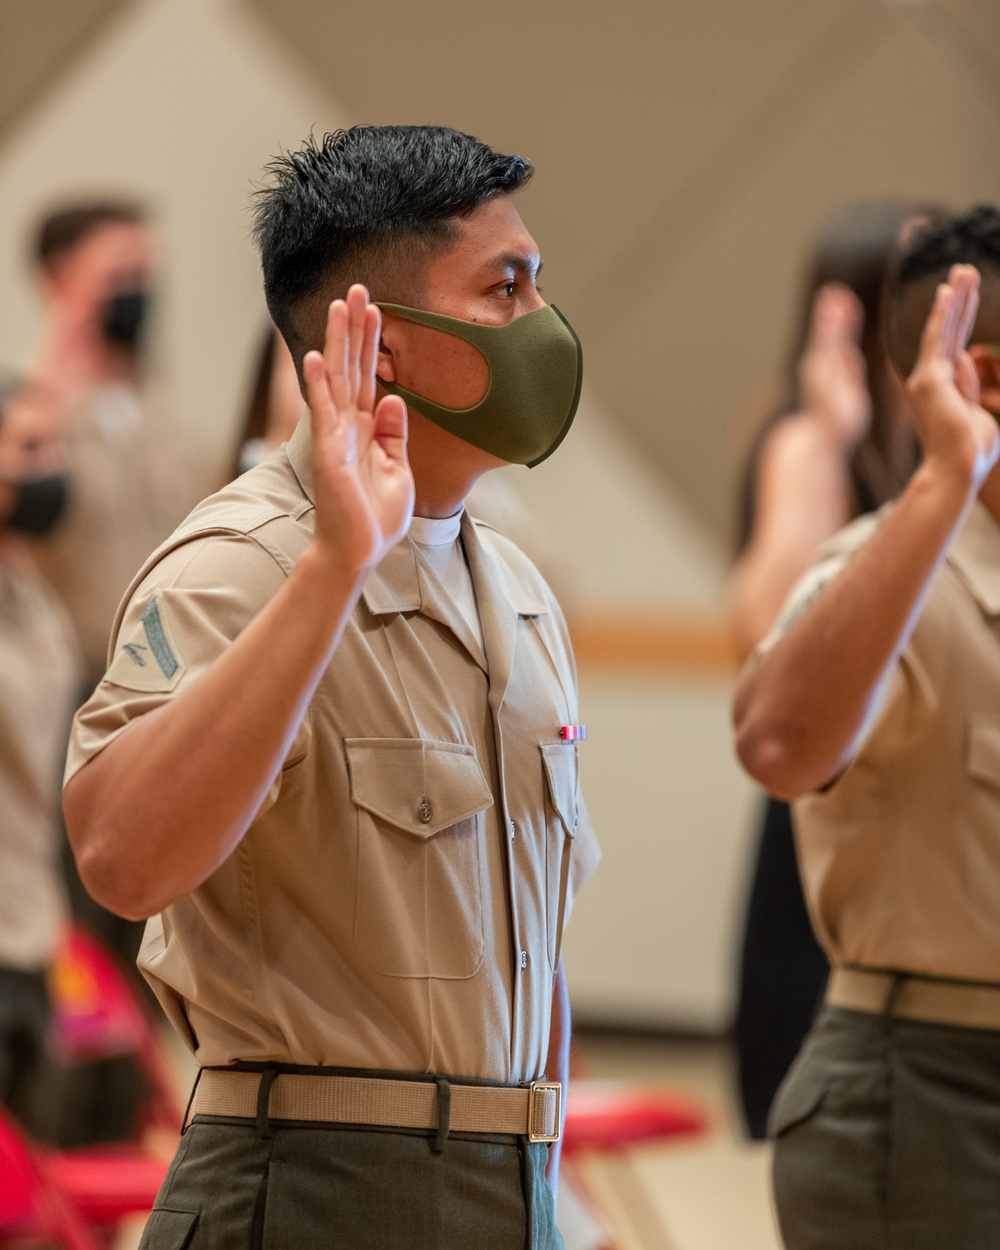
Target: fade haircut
point(371, 204)
point(970, 238)
point(64, 228)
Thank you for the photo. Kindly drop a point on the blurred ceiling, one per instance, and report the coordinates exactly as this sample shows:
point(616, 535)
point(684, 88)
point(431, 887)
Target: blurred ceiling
point(39, 40)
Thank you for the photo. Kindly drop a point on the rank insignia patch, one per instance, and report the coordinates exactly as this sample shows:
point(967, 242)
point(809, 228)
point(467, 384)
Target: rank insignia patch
point(148, 660)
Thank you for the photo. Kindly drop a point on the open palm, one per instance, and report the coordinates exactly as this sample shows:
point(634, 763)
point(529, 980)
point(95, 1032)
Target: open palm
point(361, 478)
point(944, 385)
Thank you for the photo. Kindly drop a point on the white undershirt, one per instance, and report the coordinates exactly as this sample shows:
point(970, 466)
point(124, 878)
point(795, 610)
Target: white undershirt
point(440, 546)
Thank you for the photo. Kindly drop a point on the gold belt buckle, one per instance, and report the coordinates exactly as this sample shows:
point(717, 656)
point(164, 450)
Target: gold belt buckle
point(533, 1091)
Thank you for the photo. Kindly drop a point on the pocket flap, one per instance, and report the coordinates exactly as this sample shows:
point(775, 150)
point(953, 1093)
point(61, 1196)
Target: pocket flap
point(982, 759)
point(799, 1097)
point(562, 771)
point(419, 786)
point(168, 1230)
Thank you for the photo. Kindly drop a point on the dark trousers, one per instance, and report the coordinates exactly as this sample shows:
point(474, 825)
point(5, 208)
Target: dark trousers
point(783, 971)
point(314, 1187)
point(887, 1137)
point(24, 1024)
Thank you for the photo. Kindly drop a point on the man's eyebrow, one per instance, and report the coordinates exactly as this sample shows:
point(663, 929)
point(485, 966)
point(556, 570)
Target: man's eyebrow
point(520, 263)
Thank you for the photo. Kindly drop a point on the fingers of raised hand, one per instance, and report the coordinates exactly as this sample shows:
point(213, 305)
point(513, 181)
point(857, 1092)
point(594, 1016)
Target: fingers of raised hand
point(391, 426)
point(369, 358)
point(335, 353)
point(357, 308)
point(837, 316)
point(967, 279)
point(967, 378)
point(934, 342)
point(318, 395)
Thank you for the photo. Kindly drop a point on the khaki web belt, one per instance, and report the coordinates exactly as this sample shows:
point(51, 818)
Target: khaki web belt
point(531, 1111)
point(963, 1004)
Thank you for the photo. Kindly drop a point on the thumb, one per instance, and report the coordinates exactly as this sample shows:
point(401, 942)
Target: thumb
point(967, 378)
point(390, 427)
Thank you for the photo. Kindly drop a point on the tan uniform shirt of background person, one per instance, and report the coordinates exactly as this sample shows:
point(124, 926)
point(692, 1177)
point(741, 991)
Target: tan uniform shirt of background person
point(39, 684)
point(399, 901)
point(900, 857)
point(128, 489)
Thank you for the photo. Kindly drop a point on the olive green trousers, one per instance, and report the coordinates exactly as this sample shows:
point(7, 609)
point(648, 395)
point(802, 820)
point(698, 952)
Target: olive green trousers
point(330, 1187)
point(887, 1137)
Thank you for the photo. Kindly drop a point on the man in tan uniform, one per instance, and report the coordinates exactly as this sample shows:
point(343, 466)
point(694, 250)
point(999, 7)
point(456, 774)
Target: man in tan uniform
point(337, 763)
point(875, 703)
point(39, 673)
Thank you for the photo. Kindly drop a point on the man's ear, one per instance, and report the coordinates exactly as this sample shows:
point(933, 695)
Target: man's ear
point(385, 364)
point(988, 368)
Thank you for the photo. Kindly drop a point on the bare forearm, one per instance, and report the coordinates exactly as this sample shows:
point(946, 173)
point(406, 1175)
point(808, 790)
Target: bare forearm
point(163, 805)
point(801, 498)
point(798, 711)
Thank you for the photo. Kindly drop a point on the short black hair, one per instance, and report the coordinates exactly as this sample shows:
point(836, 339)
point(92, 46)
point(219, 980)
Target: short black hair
point(363, 205)
point(65, 227)
point(924, 259)
point(971, 238)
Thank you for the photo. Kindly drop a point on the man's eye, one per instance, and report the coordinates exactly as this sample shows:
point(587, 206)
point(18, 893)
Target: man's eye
point(508, 288)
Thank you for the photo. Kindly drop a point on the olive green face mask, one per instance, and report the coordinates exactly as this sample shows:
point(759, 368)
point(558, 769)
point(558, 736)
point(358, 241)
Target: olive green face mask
point(536, 369)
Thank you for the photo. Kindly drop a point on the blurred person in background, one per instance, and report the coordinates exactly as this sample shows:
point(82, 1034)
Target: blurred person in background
point(840, 444)
point(96, 270)
point(39, 684)
point(873, 704)
point(274, 407)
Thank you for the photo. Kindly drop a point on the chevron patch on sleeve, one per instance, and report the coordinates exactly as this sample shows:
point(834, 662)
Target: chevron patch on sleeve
point(147, 659)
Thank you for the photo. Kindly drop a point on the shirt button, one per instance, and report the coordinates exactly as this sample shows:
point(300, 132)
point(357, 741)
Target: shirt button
point(524, 960)
point(513, 830)
point(425, 812)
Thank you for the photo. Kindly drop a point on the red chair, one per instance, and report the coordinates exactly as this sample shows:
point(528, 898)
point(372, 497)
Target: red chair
point(72, 1200)
point(608, 1115)
point(106, 1185)
point(32, 1207)
point(98, 1014)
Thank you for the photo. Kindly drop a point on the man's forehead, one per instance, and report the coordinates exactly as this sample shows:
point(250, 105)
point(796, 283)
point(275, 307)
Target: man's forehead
point(493, 236)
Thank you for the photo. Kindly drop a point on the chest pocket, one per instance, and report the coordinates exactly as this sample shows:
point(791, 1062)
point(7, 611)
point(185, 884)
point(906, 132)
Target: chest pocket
point(420, 831)
point(562, 776)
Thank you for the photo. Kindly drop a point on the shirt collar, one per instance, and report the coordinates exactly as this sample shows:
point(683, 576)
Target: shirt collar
point(395, 585)
point(975, 556)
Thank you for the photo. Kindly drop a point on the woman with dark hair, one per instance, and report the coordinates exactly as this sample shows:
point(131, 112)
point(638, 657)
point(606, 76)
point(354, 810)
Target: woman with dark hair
point(274, 404)
point(839, 444)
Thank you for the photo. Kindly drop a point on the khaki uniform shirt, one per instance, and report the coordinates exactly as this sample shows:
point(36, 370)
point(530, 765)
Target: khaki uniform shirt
point(39, 679)
point(399, 902)
point(128, 489)
point(900, 857)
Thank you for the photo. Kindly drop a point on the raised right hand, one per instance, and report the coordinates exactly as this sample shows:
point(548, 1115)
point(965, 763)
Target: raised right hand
point(361, 477)
point(832, 381)
point(957, 434)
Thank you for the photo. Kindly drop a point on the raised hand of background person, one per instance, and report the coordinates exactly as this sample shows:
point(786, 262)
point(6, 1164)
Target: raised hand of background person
point(832, 382)
point(956, 432)
point(361, 478)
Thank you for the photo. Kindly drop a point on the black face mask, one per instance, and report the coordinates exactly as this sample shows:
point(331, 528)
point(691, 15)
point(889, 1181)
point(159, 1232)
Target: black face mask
point(124, 318)
point(39, 502)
